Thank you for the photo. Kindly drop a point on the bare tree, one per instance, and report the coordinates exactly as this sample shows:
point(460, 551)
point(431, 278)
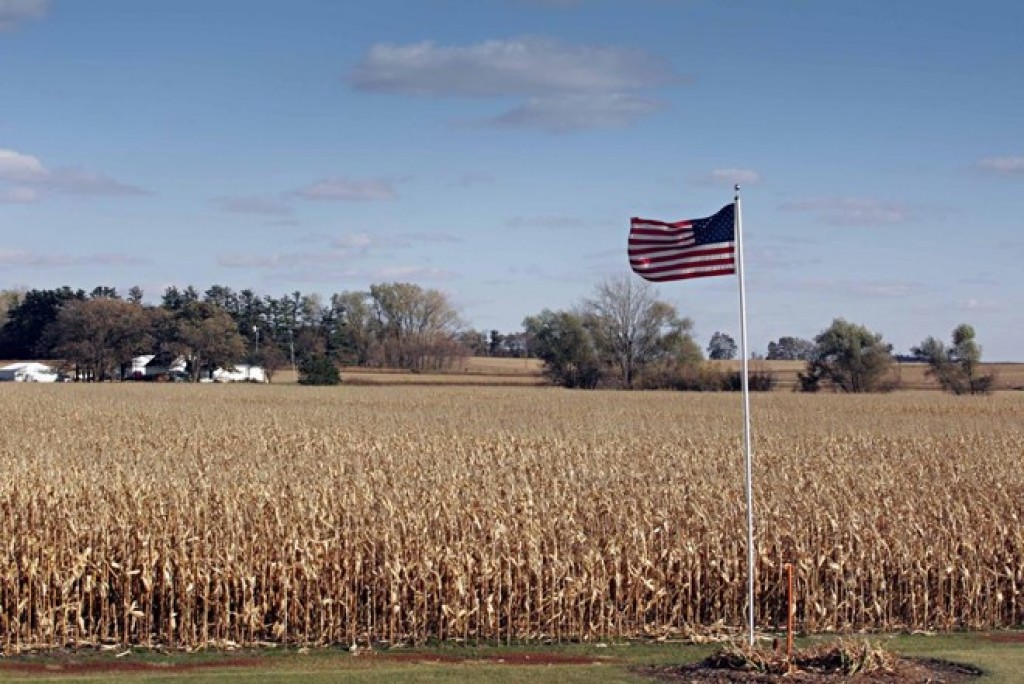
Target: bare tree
point(416, 327)
point(631, 326)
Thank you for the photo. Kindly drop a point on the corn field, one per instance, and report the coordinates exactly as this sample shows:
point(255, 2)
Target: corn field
point(188, 516)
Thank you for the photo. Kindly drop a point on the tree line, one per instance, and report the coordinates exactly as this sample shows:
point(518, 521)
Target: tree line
point(96, 334)
point(624, 336)
point(621, 336)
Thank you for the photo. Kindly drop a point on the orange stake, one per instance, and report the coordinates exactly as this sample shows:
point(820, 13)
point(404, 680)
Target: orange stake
point(790, 614)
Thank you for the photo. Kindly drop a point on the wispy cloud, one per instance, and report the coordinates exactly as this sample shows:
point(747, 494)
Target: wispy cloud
point(730, 176)
point(15, 12)
point(521, 66)
point(778, 258)
point(365, 242)
point(558, 4)
point(24, 178)
point(535, 272)
point(323, 251)
point(350, 190)
point(282, 260)
point(566, 87)
point(852, 211)
point(472, 178)
point(550, 221)
point(254, 204)
point(428, 236)
point(1005, 166)
point(330, 264)
point(16, 258)
point(973, 304)
point(16, 167)
point(865, 289)
point(412, 273)
point(75, 181)
point(19, 194)
point(576, 111)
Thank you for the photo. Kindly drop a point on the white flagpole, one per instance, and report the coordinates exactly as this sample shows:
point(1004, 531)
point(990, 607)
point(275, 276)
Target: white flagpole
point(746, 417)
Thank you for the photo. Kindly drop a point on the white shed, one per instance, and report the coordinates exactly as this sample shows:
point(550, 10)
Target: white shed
point(29, 371)
point(240, 373)
point(150, 366)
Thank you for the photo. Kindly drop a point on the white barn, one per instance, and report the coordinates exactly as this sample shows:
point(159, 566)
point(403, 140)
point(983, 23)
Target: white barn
point(240, 373)
point(149, 366)
point(29, 371)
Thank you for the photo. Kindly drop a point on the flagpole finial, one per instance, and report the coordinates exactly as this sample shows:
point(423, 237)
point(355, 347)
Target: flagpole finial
point(737, 189)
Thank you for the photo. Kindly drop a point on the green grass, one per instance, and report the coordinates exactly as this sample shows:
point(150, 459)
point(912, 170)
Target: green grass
point(1002, 663)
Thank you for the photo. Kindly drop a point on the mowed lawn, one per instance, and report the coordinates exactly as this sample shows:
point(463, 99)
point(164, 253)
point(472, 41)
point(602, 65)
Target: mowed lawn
point(1000, 656)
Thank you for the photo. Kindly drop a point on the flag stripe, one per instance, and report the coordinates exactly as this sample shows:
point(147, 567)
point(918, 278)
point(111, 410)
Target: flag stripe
point(646, 229)
point(668, 252)
point(715, 264)
point(686, 275)
point(661, 251)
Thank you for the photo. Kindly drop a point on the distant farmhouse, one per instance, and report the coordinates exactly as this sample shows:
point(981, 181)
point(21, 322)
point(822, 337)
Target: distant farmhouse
point(156, 367)
point(162, 367)
point(28, 372)
point(241, 373)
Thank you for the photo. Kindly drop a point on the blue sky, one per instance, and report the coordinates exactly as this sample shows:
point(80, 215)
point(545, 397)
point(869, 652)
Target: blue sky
point(495, 149)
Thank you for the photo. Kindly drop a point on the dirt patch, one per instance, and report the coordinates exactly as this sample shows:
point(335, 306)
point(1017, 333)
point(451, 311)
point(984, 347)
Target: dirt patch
point(1007, 638)
point(903, 671)
point(78, 664)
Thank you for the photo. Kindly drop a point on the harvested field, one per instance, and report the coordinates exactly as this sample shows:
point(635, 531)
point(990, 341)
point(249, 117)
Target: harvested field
point(194, 515)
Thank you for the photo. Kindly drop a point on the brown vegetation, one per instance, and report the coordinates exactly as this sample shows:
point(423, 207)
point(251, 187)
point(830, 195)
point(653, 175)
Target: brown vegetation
point(193, 515)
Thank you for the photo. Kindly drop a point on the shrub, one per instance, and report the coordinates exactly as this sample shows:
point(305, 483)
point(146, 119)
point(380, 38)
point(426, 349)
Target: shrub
point(318, 370)
point(706, 378)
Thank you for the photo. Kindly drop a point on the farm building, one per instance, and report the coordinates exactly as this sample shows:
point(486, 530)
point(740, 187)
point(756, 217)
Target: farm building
point(240, 373)
point(28, 372)
point(152, 366)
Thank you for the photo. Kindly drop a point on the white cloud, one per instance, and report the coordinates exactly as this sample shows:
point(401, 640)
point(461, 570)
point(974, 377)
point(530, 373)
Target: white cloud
point(16, 167)
point(730, 177)
point(520, 66)
point(347, 190)
point(1009, 166)
point(564, 87)
point(852, 211)
point(14, 12)
point(31, 180)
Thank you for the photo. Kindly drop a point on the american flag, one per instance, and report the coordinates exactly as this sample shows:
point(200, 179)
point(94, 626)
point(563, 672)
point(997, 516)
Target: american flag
point(696, 248)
